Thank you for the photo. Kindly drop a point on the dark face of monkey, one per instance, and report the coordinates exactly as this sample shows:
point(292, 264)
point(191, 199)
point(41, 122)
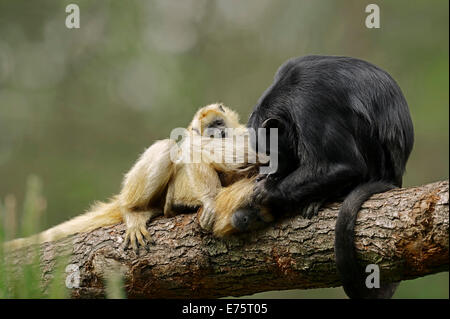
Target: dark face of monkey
point(247, 219)
point(216, 128)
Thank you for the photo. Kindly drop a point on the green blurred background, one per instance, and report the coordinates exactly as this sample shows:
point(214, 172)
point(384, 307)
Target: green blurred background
point(77, 106)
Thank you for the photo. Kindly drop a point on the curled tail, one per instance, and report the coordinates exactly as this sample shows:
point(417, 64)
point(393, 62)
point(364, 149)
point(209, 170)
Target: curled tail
point(352, 275)
point(101, 214)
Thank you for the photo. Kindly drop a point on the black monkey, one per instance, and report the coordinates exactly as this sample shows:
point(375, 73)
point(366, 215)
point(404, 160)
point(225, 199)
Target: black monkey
point(344, 131)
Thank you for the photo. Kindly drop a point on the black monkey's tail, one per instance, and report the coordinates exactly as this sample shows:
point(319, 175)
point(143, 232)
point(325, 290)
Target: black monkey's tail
point(352, 274)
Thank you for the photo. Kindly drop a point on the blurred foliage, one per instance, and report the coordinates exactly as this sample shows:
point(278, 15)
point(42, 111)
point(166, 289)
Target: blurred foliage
point(24, 280)
point(114, 284)
point(77, 106)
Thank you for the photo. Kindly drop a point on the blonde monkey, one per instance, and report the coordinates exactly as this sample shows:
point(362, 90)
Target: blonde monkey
point(205, 178)
point(155, 184)
point(227, 190)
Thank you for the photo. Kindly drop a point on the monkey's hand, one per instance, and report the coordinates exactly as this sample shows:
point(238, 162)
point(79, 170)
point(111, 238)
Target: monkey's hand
point(206, 216)
point(261, 194)
point(311, 209)
point(137, 230)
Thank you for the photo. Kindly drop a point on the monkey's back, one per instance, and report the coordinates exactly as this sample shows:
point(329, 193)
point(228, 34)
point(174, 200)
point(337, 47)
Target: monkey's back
point(340, 109)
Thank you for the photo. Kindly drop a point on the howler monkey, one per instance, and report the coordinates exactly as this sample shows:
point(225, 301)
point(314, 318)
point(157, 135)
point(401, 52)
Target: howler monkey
point(344, 132)
point(156, 185)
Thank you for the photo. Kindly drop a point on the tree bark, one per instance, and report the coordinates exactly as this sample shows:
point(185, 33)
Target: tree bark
point(404, 231)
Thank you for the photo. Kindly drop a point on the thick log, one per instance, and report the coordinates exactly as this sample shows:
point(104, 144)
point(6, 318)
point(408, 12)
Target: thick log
point(404, 231)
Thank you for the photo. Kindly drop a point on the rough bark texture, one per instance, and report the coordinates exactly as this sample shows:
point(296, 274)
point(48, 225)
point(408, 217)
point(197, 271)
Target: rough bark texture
point(404, 231)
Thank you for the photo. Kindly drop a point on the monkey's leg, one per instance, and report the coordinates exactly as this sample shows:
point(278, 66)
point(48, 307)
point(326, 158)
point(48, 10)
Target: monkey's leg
point(143, 186)
point(137, 228)
point(305, 188)
point(205, 184)
point(148, 178)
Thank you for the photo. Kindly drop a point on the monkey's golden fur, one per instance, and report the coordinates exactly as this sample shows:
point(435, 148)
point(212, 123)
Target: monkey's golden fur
point(230, 199)
point(155, 185)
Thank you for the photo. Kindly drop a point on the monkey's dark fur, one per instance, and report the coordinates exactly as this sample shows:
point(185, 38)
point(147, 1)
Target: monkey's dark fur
point(344, 132)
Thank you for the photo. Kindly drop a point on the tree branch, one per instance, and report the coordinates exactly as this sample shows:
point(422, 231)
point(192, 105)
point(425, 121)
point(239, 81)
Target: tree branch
point(404, 231)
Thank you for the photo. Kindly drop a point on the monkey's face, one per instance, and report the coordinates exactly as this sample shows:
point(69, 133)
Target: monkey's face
point(247, 219)
point(216, 128)
point(213, 120)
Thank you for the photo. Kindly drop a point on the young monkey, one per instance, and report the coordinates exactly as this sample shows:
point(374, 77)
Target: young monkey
point(226, 156)
point(156, 185)
point(194, 177)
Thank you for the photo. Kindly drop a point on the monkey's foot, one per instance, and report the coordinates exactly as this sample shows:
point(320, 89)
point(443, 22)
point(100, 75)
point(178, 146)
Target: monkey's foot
point(312, 209)
point(137, 233)
point(206, 216)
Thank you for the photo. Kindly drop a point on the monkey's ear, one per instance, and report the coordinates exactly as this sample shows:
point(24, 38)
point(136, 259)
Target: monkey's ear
point(221, 108)
point(273, 123)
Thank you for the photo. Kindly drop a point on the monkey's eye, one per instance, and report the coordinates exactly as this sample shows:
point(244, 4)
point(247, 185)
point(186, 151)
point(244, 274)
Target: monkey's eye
point(217, 123)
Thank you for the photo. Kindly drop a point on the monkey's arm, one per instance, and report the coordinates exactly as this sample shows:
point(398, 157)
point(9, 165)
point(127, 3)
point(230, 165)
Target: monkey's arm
point(205, 184)
point(307, 188)
point(236, 210)
point(142, 190)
